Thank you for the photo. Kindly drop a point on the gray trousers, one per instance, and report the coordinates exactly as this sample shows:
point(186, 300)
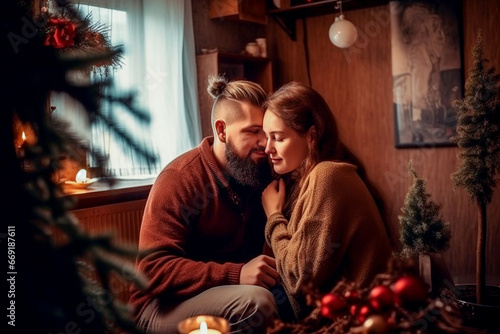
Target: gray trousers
point(249, 309)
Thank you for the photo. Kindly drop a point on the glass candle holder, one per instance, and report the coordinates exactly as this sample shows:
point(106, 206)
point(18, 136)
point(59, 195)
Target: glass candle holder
point(203, 324)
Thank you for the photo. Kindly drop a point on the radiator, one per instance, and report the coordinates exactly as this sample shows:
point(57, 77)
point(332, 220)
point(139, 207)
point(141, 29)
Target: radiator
point(123, 222)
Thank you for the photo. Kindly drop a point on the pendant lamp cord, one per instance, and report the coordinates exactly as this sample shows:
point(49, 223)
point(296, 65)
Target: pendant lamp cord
point(339, 6)
point(306, 51)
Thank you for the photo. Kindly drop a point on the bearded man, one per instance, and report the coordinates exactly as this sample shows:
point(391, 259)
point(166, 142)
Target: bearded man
point(203, 225)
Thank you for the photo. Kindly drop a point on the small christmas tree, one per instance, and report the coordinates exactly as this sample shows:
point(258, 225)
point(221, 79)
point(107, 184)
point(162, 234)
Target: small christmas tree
point(478, 138)
point(423, 230)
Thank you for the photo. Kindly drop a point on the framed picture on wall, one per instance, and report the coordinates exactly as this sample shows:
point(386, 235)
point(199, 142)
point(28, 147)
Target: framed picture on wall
point(427, 70)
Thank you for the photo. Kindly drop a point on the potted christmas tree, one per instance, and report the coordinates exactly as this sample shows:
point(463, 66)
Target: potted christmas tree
point(478, 139)
point(424, 234)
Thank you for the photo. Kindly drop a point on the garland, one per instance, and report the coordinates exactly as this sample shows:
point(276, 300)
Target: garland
point(395, 302)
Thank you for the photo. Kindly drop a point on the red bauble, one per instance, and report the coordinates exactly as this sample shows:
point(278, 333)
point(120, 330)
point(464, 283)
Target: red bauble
point(363, 312)
point(410, 291)
point(351, 296)
point(353, 309)
point(332, 305)
point(381, 298)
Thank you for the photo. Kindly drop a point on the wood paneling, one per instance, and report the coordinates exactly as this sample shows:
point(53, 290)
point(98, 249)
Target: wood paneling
point(357, 84)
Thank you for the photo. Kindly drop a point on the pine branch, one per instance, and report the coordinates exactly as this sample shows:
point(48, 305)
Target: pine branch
point(38, 208)
point(127, 140)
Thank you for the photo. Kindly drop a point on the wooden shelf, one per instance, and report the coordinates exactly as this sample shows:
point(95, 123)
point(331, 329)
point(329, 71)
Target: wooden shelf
point(286, 17)
point(250, 11)
point(240, 58)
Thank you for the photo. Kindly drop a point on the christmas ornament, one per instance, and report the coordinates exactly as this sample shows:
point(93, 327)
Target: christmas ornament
point(375, 324)
point(332, 305)
point(410, 291)
point(351, 296)
point(342, 33)
point(381, 297)
point(381, 307)
point(363, 312)
point(353, 309)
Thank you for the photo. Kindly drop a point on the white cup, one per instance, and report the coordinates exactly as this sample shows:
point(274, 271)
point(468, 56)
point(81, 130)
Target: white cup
point(253, 49)
point(261, 42)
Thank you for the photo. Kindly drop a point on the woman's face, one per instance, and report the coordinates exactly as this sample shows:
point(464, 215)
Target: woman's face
point(285, 147)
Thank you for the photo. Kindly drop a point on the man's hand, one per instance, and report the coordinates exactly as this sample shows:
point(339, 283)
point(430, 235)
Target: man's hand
point(260, 271)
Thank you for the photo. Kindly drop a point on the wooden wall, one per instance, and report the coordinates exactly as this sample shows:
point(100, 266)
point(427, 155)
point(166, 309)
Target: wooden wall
point(357, 84)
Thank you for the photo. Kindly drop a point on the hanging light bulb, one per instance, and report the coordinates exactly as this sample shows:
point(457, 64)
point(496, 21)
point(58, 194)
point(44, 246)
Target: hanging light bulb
point(342, 32)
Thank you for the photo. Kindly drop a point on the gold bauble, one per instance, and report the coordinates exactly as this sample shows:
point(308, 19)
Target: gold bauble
point(375, 324)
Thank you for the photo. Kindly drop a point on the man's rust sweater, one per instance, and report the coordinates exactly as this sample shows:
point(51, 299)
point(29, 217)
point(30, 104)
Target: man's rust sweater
point(199, 228)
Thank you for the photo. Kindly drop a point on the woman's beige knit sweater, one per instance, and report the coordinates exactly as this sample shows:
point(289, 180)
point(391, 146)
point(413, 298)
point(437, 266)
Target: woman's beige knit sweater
point(335, 232)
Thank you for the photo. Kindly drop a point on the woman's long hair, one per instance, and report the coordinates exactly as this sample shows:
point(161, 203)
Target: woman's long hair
point(301, 107)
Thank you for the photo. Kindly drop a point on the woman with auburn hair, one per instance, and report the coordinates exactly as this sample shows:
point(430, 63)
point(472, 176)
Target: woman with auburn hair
point(323, 220)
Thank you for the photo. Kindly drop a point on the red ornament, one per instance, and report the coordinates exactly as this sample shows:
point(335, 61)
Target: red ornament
point(410, 291)
point(353, 309)
point(363, 312)
point(351, 296)
point(332, 305)
point(381, 298)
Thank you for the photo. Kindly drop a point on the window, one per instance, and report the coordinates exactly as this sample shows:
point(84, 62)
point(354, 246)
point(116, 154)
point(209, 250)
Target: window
point(159, 67)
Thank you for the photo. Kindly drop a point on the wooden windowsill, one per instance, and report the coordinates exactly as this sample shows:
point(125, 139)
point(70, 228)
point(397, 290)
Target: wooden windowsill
point(101, 193)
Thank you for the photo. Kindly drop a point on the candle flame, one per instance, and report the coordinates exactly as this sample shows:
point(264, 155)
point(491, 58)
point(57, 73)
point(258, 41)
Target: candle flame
point(81, 176)
point(203, 328)
point(24, 136)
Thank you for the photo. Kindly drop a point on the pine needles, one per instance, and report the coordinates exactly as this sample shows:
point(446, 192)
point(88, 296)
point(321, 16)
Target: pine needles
point(423, 230)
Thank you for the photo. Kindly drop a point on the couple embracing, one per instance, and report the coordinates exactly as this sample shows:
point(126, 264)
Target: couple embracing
point(273, 201)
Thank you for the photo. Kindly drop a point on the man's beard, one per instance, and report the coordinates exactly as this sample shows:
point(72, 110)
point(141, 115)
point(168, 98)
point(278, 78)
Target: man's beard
point(246, 171)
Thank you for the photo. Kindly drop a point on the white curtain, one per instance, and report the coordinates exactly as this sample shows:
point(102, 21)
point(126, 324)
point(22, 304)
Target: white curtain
point(171, 76)
point(159, 66)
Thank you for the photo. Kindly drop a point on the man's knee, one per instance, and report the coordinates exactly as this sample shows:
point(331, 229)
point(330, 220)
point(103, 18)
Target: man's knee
point(260, 310)
point(262, 299)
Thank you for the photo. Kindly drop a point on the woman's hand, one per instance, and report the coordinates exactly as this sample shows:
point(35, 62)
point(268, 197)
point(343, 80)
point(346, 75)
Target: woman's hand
point(273, 197)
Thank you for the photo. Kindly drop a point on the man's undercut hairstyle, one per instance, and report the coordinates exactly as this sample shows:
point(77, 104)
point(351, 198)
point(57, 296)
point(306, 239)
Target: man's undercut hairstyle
point(228, 95)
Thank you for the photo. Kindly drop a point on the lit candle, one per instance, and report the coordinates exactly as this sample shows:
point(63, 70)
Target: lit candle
point(81, 176)
point(23, 137)
point(204, 329)
point(203, 324)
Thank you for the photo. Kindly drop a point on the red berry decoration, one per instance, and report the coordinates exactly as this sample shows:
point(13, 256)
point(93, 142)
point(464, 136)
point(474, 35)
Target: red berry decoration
point(410, 291)
point(332, 305)
point(381, 298)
